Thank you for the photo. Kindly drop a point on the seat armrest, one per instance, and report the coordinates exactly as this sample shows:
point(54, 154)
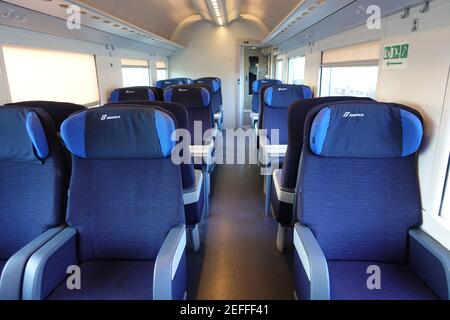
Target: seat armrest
point(283, 195)
point(192, 195)
point(313, 261)
point(11, 280)
point(169, 263)
point(47, 267)
point(431, 262)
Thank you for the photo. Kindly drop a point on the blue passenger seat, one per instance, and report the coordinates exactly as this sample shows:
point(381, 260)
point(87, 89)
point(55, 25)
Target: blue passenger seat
point(126, 227)
point(284, 180)
point(193, 180)
point(136, 93)
point(164, 84)
point(197, 100)
point(216, 88)
point(33, 188)
point(359, 209)
point(275, 104)
point(58, 111)
point(257, 85)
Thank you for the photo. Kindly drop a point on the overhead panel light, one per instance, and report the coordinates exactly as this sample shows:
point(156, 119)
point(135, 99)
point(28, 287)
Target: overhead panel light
point(218, 11)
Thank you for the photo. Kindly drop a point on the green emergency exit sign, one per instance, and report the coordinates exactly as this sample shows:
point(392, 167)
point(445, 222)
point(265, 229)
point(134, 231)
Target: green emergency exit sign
point(396, 56)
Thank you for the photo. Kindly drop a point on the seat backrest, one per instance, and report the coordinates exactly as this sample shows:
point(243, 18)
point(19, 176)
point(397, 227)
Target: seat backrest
point(358, 183)
point(180, 115)
point(197, 100)
point(275, 105)
point(256, 90)
point(125, 192)
point(33, 184)
point(135, 93)
point(59, 111)
point(164, 84)
point(216, 88)
point(296, 123)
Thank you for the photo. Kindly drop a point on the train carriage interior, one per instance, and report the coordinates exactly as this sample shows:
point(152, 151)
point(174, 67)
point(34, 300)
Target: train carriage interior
point(224, 150)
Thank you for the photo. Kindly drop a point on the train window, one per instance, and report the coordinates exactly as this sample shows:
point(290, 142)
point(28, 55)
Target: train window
point(41, 74)
point(296, 70)
point(350, 71)
point(135, 73)
point(349, 81)
point(161, 70)
point(279, 70)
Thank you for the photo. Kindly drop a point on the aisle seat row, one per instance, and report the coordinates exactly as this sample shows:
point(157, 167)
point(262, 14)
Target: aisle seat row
point(119, 209)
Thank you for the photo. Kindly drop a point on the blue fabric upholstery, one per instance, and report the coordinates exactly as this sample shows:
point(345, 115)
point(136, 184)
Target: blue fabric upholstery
point(296, 122)
point(58, 111)
point(216, 91)
point(119, 133)
point(37, 135)
point(133, 94)
point(348, 281)
point(22, 136)
point(366, 130)
point(193, 211)
point(181, 116)
point(95, 209)
point(190, 96)
point(196, 98)
point(358, 208)
point(32, 194)
point(111, 280)
point(257, 86)
point(283, 96)
point(164, 84)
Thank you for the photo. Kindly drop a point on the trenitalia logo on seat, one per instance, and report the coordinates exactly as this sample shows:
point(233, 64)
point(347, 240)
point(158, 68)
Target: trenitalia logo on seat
point(130, 92)
point(353, 115)
point(183, 90)
point(106, 117)
point(282, 89)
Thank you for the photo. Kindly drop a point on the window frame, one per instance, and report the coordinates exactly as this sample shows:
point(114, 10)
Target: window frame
point(136, 65)
point(6, 81)
point(290, 69)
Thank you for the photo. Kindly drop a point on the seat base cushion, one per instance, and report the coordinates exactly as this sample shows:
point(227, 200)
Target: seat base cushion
point(111, 280)
point(348, 281)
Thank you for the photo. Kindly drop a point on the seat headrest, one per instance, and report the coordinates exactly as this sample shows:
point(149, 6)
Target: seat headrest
point(163, 84)
point(282, 96)
point(119, 133)
point(22, 135)
point(258, 84)
point(212, 83)
point(188, 95)
point(366, 130)
point(133, 93)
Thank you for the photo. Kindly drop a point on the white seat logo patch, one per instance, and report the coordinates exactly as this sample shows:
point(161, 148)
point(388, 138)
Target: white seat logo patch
point(353, 115)
point(106, 117)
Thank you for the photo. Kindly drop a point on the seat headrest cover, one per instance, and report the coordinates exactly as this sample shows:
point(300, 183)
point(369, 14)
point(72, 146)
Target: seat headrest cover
point(258, 84)
point(282, 96)
point(213, 84)
point(163, 84)
point(119, 133)
point(365, 130)
point(130, 94)
point(22, 135)
point(189, 96)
